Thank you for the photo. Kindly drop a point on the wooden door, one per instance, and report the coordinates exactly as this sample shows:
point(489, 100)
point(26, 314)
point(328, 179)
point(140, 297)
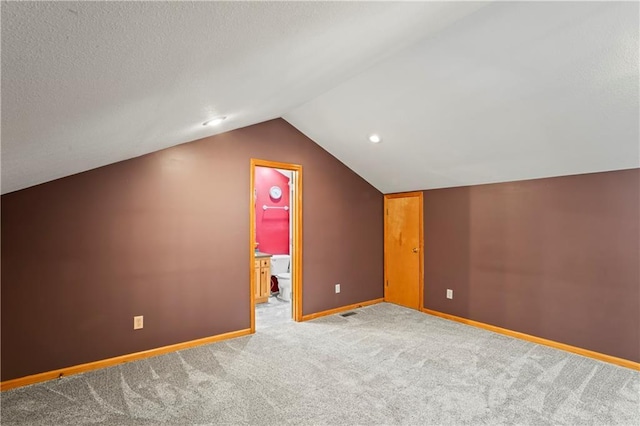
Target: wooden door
point(256, 280)
point(262, 280)
point(265, 279)
point(403, 244)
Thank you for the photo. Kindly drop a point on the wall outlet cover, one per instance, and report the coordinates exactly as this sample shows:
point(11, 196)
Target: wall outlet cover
point(337, 288)
point(449, 293)
point(138, 322)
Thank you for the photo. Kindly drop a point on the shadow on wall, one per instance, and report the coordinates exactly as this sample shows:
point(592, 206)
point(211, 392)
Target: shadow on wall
point(447, 231)
point(81, 255)
point(555, 258)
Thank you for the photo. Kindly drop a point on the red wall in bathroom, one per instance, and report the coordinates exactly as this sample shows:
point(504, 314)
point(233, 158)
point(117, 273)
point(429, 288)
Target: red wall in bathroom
point(272, 225)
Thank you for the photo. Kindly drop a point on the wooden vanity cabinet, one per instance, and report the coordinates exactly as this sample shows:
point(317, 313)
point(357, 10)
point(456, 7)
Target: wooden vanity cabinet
point(262, 274)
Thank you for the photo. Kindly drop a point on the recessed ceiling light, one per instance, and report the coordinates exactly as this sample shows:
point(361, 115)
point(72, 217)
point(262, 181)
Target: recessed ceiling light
point(214, 121)
point(375, 138)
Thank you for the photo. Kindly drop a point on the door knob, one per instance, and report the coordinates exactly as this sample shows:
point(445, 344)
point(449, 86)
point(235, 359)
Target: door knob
point(415, 249)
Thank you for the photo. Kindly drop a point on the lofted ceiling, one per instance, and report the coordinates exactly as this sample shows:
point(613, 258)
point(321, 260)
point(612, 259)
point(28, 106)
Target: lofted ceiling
point(461, 92)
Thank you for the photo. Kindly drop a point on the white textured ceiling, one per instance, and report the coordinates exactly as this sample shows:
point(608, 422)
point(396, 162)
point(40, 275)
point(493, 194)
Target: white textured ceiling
point(462, 93)
point(514, 91)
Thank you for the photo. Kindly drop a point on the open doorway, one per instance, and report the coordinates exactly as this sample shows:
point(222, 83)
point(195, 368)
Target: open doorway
point(274, 206)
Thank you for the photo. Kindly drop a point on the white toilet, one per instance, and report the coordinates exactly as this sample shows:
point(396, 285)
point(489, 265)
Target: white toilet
point(280, 269)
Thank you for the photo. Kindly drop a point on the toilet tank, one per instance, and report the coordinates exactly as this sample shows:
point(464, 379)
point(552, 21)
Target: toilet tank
point(280, 263)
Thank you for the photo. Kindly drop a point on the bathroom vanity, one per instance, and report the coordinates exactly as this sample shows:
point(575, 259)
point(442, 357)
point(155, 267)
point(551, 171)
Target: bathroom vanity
point(262, 273)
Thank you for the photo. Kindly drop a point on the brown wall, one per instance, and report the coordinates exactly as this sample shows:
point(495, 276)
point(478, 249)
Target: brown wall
point(166, 236)
point(556, 258)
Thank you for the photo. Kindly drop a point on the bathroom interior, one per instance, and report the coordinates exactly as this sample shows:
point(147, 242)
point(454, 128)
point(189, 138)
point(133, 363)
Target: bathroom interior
point(273, 204)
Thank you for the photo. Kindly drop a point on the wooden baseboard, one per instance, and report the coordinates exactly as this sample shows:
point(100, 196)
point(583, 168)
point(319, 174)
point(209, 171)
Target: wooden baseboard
point(109, 362)
point(67, 371)
point(562, 346)
point(341, 309)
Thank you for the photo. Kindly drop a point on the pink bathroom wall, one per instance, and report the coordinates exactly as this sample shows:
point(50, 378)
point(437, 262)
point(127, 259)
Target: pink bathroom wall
point(272, 225)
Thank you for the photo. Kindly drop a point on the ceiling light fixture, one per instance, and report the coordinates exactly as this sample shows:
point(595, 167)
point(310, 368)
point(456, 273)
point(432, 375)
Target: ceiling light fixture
point(214, 121)
point(375, 138)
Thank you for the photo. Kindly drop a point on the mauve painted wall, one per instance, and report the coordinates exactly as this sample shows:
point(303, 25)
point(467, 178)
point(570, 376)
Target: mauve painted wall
point(272, 225)
point(556, 258)
point(166, 236)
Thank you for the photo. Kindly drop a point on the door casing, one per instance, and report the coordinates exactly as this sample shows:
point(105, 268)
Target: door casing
point(387, 259)
point(296, 237)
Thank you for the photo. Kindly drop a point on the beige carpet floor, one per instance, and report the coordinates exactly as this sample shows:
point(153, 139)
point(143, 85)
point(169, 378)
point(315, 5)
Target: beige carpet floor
point(386, 365)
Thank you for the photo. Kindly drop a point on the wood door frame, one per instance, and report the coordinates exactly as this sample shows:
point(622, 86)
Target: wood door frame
point(418, 194)
point(296, 237)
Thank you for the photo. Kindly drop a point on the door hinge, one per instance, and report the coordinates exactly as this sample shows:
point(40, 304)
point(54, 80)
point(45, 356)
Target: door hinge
point(387, 283)
point(387, 212)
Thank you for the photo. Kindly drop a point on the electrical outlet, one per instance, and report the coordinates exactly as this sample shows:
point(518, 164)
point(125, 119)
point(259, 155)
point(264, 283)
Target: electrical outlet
point(138, 322)
point(337, 288)
point(449, 293)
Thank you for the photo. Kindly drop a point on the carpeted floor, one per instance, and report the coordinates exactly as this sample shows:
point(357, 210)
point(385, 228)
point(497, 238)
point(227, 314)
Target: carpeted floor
point(386, 365)
point(274, 313)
